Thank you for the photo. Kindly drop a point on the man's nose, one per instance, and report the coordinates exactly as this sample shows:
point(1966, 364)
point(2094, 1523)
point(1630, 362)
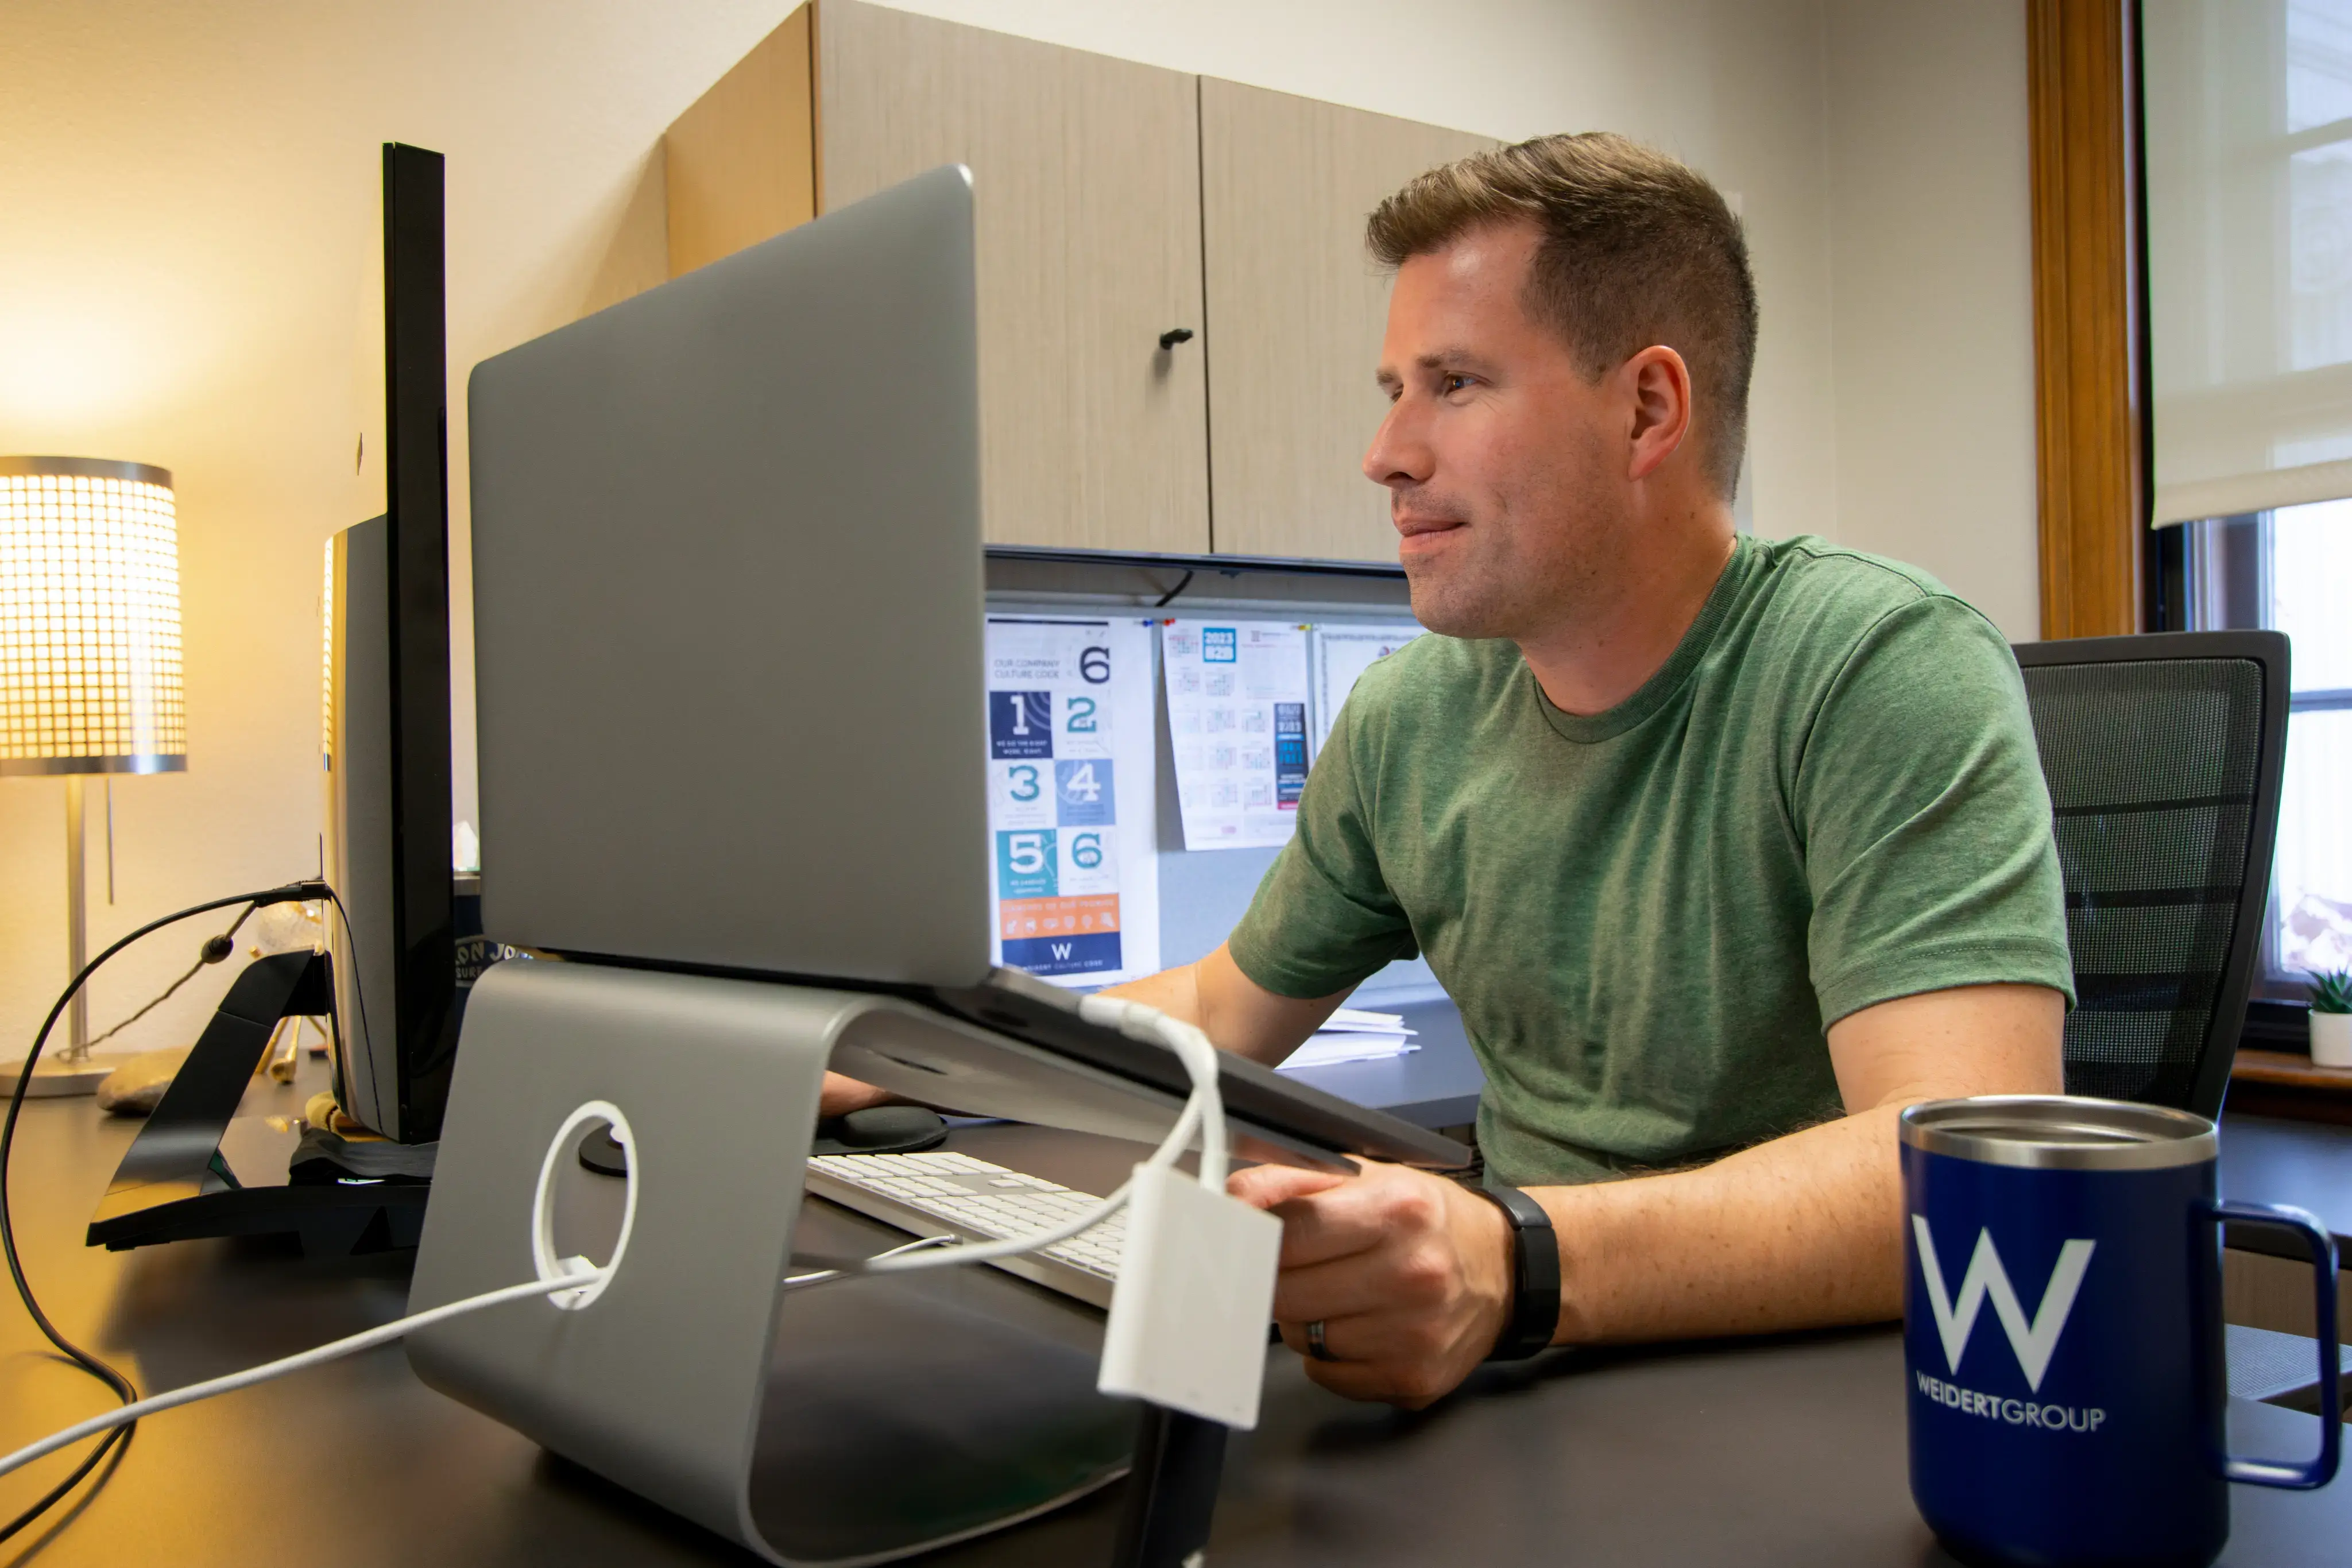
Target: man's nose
point(1400, 453)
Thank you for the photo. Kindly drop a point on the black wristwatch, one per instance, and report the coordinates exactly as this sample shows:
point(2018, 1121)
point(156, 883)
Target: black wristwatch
point(1535, 1276)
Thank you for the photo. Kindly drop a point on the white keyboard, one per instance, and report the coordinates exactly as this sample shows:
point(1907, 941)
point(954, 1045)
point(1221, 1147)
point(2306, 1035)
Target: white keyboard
point(935, 1192)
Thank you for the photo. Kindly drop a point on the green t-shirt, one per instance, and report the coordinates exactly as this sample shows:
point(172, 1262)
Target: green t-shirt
point(1829, 797)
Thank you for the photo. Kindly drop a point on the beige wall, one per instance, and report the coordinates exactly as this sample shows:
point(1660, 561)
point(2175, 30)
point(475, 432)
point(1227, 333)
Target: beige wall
point(188, 219)
point(1932, 288)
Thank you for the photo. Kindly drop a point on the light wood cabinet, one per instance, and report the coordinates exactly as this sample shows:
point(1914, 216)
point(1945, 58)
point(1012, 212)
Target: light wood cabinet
point(1086, 180)
point(1296, 310)
point(1087, 196)
point(1114, 202)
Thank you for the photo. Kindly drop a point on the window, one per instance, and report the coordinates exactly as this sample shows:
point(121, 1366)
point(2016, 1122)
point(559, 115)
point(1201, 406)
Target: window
point(2291, 569)
point(2248, 120)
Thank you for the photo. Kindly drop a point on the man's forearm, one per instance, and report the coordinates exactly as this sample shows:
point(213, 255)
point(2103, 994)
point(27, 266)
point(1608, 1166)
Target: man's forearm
point(1800, 1232)
point(1807, 1230)
point(1237, 1015)
point(1175, 992)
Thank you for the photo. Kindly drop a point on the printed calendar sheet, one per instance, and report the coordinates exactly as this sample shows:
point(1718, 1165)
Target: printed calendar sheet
point(1073, 864)
point(1237, 719)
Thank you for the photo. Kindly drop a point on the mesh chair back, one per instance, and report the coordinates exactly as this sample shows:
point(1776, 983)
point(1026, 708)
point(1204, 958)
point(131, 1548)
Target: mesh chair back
point(2163, 754)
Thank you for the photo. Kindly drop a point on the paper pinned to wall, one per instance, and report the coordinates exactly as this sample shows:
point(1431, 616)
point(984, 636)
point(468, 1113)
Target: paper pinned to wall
point(1341, 655)
point(1072, 772)
point(1237, 704)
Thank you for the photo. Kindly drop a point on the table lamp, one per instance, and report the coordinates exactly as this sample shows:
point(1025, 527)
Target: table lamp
point(90, 666)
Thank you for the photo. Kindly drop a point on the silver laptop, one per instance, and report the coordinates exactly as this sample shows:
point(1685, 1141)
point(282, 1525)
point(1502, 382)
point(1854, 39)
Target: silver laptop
point(728, 605)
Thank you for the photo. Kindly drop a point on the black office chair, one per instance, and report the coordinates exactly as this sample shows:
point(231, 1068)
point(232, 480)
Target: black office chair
point(2163, 754)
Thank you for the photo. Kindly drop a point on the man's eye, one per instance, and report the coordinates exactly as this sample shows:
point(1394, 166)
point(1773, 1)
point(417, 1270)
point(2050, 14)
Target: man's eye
point(1451, 384)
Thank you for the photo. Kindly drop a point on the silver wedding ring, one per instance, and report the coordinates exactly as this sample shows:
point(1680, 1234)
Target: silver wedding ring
point(1315, 1346)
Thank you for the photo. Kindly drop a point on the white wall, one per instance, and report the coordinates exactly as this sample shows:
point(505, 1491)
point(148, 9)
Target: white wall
point(188, 214)
point(1932, 314)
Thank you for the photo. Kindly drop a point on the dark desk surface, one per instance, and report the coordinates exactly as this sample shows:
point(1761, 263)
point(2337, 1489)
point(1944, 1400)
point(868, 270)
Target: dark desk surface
point(2307, 1165)
point(1787, 1451)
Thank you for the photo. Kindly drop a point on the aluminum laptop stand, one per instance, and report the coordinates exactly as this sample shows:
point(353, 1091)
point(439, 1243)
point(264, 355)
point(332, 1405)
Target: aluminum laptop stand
point(853, 1423)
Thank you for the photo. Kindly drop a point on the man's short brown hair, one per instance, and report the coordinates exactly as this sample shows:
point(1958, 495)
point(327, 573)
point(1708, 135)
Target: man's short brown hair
point(1638, 248)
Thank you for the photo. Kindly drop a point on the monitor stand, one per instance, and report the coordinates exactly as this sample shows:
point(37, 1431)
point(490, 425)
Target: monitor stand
point(858, 1422)
point(196, 1168)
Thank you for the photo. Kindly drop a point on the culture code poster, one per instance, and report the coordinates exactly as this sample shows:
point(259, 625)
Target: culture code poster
point(1341, 655)
point(1237, 720)
point(1074, 866)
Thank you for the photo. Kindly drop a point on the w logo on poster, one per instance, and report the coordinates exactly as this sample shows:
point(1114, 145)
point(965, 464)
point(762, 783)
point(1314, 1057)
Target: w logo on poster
point(2034, 1340)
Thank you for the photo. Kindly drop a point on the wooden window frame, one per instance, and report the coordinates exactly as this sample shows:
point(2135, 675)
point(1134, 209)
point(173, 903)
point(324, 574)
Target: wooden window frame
point(2104, 570)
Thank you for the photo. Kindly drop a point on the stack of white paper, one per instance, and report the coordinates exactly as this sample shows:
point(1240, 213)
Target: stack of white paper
point(1351, 1034)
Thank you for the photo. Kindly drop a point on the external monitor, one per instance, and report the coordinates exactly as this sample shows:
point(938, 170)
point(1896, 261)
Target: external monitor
point(387, 743)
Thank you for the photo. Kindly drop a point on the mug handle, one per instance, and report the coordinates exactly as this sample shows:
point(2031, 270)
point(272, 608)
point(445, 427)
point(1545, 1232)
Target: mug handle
point(2321, 1470)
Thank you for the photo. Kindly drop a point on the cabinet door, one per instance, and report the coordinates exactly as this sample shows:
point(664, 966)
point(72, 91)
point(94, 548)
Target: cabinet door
point(1296, 310)
point(1086, 176)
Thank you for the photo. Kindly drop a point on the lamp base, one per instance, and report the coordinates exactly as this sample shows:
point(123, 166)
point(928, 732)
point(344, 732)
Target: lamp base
point(53, 1079)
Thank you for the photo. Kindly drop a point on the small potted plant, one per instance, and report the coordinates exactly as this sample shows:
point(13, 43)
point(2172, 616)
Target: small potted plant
point(2331, 1019)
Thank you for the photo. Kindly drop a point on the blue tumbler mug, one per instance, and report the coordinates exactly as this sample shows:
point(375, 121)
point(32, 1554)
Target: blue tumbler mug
point(2061, 1338)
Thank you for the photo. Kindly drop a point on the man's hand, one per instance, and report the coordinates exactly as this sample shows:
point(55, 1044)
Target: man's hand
point(1409, 1273)
point(841, 1095)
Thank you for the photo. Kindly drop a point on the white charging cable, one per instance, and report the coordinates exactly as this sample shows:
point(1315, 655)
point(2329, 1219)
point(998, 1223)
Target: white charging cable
point(1137, 1021)
point(1204, 1114)
point(568, 1283)
point(581, 1273)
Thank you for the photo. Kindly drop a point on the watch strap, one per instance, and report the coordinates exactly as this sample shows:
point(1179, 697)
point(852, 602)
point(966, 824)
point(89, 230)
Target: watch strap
point(1535, 1275)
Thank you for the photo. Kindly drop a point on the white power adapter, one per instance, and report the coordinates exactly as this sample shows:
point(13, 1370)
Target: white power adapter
point(1195, 1291)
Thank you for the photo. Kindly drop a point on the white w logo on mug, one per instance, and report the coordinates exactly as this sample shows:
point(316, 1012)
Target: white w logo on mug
point(2034, 1341)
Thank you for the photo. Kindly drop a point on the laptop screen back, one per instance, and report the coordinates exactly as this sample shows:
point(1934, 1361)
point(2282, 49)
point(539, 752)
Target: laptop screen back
point(728, 611)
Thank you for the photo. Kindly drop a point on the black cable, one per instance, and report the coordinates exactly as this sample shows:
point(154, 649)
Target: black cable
point(214, 949)
point(359, 1001)
point(117, 1449)
point(292, 892)
point(119, 1438)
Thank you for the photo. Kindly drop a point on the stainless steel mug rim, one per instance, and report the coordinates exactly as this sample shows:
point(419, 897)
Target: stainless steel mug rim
point(2059, 1132)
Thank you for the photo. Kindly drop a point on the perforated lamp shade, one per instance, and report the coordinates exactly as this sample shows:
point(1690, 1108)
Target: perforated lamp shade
point(90, 665)
point(90, 619)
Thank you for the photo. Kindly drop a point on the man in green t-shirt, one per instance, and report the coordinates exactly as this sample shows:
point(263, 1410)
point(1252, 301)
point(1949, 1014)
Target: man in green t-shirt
point(1726, 849)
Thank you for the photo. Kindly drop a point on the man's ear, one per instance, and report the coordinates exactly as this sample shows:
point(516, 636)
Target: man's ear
point(1660, 386)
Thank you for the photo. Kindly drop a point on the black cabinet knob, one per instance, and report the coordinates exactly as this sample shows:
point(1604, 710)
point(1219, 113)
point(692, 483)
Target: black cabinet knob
point(1175, 334)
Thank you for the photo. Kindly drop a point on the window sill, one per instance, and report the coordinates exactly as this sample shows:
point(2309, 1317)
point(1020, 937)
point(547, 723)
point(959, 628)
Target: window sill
point(2286, 1084)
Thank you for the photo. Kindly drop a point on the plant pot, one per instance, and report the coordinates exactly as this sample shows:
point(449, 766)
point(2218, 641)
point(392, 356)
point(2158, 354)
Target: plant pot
point(2331, 1039)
